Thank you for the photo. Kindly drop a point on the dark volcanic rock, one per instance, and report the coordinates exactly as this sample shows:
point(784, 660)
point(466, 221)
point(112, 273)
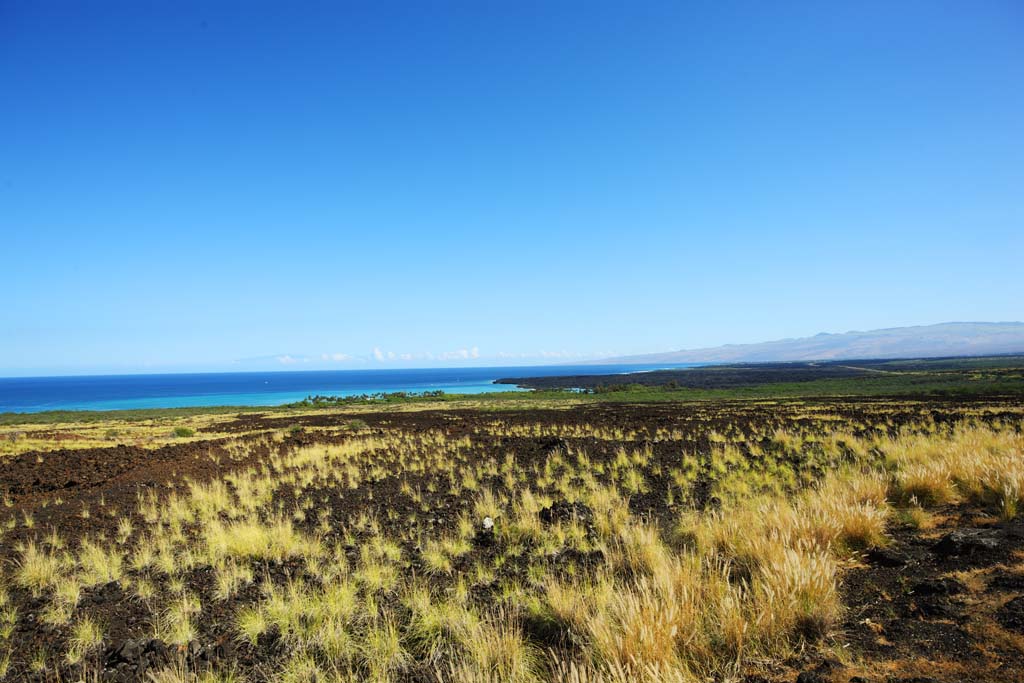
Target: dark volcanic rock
point(270, 641)
point(943, 586)
point(553, 443)
point(887, 557)
point(127, 652)
point(935, 607)
point(131, 659)
point(1011, 615)
point(822, 673)
point(1007, 582)
point(581, 558)
point(966, 542)
point(484, 538)
point(564, 511)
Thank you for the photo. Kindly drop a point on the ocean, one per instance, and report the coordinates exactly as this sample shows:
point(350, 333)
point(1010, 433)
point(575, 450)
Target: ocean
point(126, 392)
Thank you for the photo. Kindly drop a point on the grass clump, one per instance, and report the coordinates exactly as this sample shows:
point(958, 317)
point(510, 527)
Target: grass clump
point(37, 569)
point(86, 638)
point(975, 464)
point(251, 539)
point(98, 565)
point(175, 624)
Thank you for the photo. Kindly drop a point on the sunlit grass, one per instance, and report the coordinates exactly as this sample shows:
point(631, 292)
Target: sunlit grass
point(618, 554)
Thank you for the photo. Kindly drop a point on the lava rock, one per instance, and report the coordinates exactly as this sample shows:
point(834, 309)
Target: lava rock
point(936, 607)
point(822, 673)
point(1007, 582)
point(553, 443)
point(1011, 615)
point(946, 586)
point(270, 641)
point(127, 652)
point(581, 558)
point(484, 538)
point(813, 676)
point(887, 557)
point(966, 542)
point(564, 511)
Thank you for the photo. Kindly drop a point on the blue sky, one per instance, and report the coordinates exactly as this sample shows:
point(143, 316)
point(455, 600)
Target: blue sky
point(216, 186)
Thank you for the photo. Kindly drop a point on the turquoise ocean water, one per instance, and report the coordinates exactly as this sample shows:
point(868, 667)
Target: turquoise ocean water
point(122, 392)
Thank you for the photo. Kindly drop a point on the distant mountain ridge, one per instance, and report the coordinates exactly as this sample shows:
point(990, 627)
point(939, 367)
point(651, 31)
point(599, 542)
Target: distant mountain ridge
point(923, 341)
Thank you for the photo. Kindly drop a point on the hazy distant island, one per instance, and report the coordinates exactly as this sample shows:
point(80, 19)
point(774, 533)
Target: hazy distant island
point(898, 360)
point(922, 341)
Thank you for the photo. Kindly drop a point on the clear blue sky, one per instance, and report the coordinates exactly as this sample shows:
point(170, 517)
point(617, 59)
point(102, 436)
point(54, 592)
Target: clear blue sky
point(232, 185)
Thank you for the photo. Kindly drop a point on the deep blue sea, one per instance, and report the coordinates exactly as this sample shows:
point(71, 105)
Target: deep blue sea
point(123, 392)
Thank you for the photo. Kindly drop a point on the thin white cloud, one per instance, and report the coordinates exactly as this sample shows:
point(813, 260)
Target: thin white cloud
point(473, 353)
point(468, 353)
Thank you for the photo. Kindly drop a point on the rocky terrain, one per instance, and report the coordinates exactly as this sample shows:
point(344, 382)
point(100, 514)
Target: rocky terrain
point(224, 559)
